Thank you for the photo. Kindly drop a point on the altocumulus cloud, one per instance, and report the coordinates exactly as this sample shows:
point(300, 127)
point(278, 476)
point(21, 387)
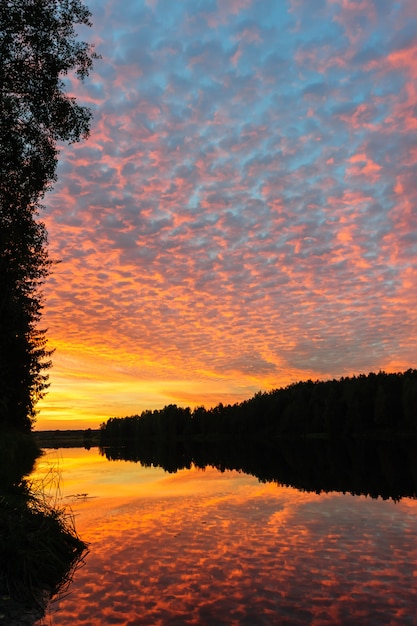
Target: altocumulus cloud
point(245, 208)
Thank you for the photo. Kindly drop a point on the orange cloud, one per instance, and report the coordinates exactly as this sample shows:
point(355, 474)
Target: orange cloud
point(364, 166)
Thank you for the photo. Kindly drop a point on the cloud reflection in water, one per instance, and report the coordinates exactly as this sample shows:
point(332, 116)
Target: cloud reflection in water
point(212, 548)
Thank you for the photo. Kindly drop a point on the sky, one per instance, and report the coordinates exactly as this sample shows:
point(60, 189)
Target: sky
point(244, 213)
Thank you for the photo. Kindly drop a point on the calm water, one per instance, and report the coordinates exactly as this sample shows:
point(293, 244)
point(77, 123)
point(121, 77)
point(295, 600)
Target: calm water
point(211, 548)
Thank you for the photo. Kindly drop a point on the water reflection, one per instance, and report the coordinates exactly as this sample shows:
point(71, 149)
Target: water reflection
point(206, 547)
point(356, 466)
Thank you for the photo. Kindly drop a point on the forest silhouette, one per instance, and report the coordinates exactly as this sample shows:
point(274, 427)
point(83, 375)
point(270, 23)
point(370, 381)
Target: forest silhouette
point(383, 405)
point(355, 435)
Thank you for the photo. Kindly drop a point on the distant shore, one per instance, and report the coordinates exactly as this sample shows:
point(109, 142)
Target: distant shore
point(67, 438)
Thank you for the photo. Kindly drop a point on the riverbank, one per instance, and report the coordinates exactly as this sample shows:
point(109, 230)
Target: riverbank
point(39, 546)
point(67, 438)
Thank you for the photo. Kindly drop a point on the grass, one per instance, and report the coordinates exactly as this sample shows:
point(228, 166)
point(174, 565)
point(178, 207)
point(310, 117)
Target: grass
point(39, 546)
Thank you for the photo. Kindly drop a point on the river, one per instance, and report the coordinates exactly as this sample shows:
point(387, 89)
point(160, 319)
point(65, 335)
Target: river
point(205, 547)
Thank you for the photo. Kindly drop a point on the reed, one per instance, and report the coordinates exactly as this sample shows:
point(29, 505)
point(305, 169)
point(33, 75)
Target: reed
point(39, 546)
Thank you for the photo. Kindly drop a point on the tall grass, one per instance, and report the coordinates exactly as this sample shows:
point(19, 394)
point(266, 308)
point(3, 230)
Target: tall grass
point(39, 546)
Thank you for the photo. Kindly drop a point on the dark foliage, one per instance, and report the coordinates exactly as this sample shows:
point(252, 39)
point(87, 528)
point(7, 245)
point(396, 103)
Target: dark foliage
point(39, 547)
point(38, 46)
point(377, 404)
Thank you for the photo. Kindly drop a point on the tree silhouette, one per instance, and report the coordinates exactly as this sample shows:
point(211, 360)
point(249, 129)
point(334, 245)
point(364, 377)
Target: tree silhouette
point(376, 405)
point(38, 47)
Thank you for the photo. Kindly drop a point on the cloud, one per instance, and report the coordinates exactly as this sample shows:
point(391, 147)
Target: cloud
point(247, 189)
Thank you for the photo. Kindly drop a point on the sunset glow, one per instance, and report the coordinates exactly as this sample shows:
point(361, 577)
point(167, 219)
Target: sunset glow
point(243, 214)
point(209, 547)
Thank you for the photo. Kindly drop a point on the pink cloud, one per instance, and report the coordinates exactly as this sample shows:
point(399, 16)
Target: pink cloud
point(245, 190)
point(351, 15)
point(364, 166)
point(226, 9)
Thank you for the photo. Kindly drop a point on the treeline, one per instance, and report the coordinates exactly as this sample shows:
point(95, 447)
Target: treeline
point(364, 405)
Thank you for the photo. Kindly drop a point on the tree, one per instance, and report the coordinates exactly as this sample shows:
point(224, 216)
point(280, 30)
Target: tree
point(38, 47)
